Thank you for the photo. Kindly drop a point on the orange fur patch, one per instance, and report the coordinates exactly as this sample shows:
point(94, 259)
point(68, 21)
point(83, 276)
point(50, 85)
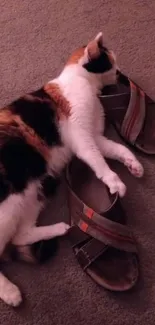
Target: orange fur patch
point(76, 56)
point(32, 138)
point(61, 104)
point(6, 117)
point(12, 126)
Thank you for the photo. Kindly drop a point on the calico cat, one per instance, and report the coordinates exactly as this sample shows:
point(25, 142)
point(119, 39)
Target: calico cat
point(40, 132)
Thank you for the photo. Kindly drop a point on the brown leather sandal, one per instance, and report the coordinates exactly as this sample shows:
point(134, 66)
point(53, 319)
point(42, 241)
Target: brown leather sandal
point(102, 243)
point(132, 112)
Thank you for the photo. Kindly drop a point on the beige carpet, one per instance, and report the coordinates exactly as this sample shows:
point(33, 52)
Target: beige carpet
point(35, 39)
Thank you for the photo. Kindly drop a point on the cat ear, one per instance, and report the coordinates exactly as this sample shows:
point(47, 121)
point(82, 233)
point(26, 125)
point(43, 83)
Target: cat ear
point(93, 47)
point(92, 50)
point(99, 39)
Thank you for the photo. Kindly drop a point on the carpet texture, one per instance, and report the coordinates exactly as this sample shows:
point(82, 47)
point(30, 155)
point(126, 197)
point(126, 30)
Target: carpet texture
point(35, 40)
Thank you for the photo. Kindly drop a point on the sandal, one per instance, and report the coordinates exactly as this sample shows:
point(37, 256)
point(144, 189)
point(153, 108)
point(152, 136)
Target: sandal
point(132, 112)
point(102, 243)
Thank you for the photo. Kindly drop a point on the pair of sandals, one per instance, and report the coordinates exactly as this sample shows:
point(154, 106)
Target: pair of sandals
point(103, 244)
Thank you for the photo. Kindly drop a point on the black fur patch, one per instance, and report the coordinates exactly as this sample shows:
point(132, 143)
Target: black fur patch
point(45, 249)
point(41, 93)
point(49, 186)
point(22, 163)
point(5, 188)
point(36, 111)
point(99, 65)
point(122, 79)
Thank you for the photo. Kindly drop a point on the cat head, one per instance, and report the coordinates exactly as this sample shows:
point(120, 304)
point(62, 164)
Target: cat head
point(97, 59)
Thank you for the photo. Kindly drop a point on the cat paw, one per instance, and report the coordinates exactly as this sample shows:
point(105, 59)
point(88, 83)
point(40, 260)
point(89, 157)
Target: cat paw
point(12, 295)
point(62, 228)
point(115, 184)
point(135, 167)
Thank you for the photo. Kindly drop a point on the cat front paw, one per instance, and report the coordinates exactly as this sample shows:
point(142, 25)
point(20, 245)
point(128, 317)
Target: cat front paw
point(62, 228)
point(11, 295)
point(135, 167)
point(114, 184)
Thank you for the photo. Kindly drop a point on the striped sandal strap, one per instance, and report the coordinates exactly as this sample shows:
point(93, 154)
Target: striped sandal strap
point(135, 115)
point(101, 227)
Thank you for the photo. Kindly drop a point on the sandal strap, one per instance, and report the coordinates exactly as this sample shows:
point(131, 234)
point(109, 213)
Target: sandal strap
point(102, 228)
point(90, 249)
point(135, 114)
point(133, 101)
point(89, 252)
point(77, 237)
